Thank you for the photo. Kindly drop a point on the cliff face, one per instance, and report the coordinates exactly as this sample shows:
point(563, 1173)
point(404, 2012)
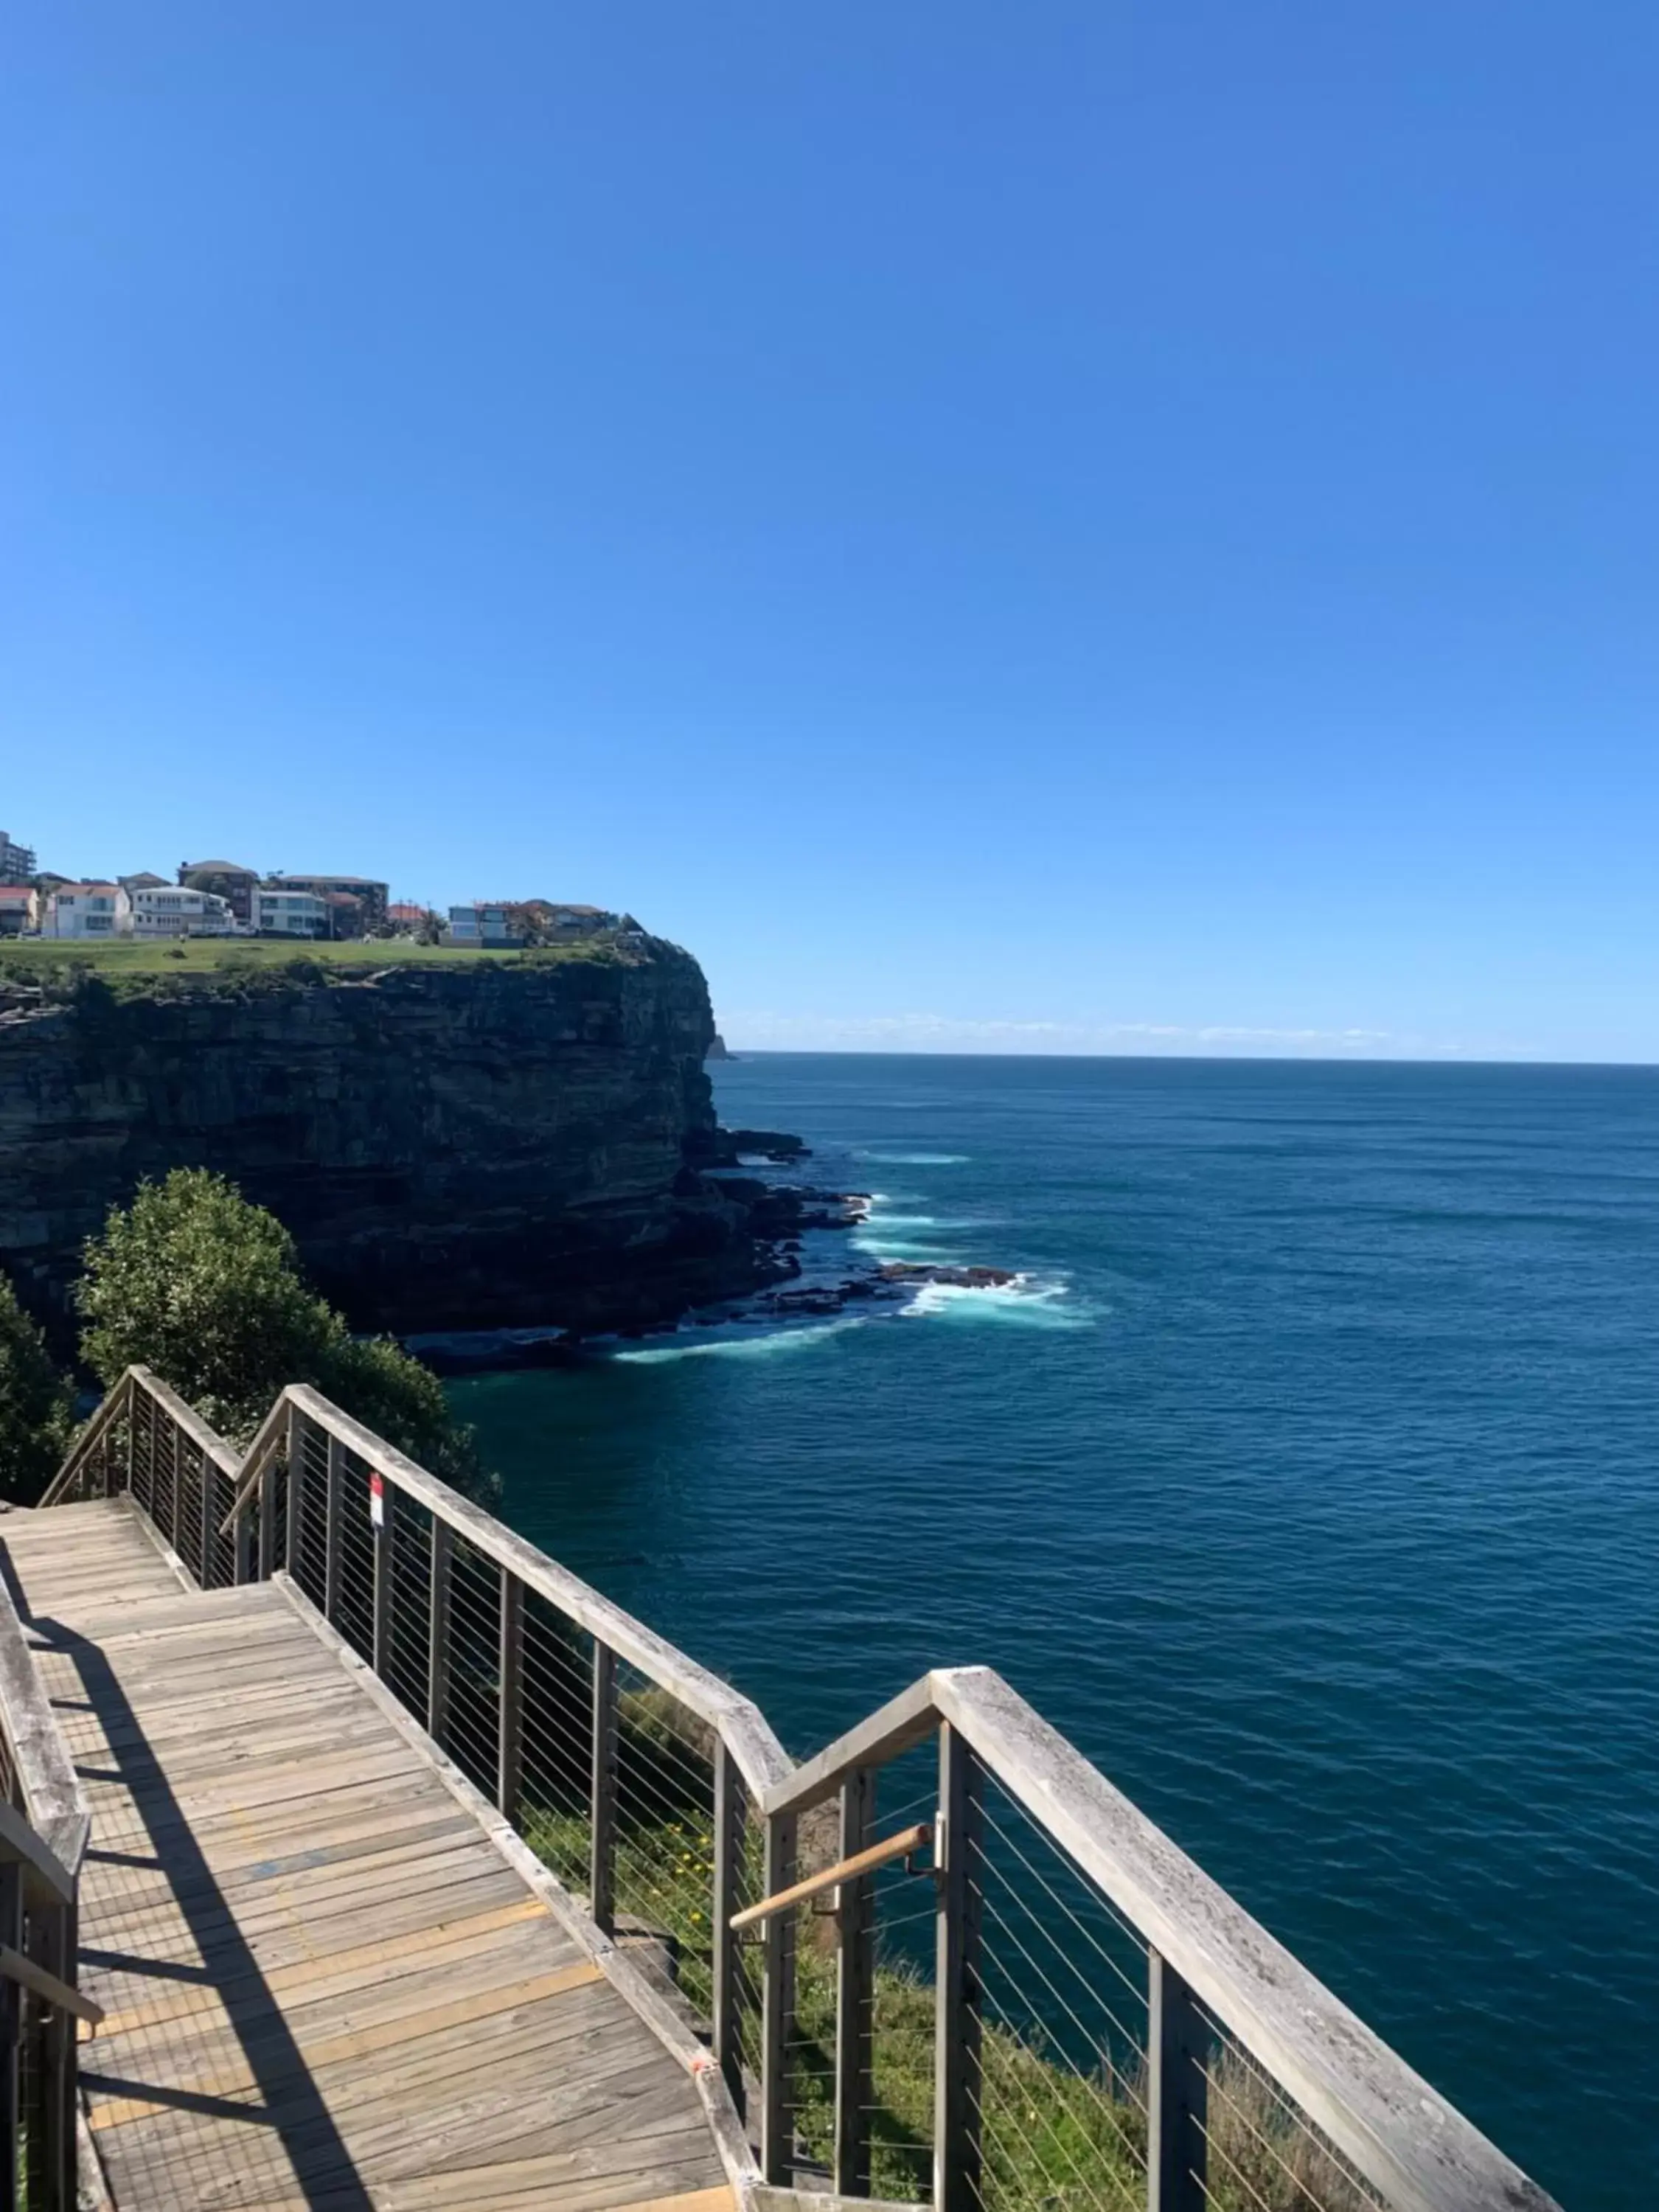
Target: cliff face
point(452, 1146)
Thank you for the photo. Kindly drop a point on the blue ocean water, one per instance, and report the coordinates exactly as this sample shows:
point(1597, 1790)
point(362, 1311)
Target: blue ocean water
point(1309, 1480)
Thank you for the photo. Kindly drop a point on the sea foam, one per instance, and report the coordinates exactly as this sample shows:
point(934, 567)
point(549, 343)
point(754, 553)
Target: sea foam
point(739, 1347)
point(1023, 1304)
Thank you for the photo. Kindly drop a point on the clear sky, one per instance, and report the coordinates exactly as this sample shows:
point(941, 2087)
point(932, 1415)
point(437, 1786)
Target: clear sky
point(1066, 526)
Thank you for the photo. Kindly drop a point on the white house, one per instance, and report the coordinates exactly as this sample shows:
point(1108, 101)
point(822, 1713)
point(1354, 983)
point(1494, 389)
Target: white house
point(488, 922)
point(290, 914)
point(77, 910)
point(171, 910)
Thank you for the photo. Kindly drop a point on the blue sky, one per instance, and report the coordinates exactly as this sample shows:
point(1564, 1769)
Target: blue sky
point(1073, 527)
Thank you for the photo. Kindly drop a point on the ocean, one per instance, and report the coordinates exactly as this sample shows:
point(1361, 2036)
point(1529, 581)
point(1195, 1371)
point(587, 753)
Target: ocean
point(1308, 1478)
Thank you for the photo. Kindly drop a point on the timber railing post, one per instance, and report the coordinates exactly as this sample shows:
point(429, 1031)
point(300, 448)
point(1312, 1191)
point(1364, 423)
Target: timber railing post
point(206, 1518)
point(267, 1515)
point(509, 1726)
point(243, 1539)
point(296, 1451)
point(855, 1991)
point(379, 1514)
point(11, 2024)
point(59, 2087)
point(437, 1645)
point(778, 2009)
point(730, 1825)
point(129, 1407)
point(333, 1530)
point(176, 1532)
point(957, 1988)
point(1176, 2093)
point(602, 1861)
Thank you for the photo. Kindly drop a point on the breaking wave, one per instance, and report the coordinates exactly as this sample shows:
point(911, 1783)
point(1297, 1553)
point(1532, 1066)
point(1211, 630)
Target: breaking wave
point(1026, 1303)
point(766, 1347)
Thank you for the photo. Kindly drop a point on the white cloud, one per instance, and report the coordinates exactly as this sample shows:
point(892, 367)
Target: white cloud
point(761, 1030)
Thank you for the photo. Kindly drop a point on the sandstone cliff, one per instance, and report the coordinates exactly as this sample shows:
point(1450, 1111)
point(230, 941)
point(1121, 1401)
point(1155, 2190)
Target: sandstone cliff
point(452, 1146)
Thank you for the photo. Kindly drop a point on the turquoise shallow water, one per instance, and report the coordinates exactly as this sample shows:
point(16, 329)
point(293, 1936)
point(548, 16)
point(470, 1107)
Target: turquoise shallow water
point(1309, 1481)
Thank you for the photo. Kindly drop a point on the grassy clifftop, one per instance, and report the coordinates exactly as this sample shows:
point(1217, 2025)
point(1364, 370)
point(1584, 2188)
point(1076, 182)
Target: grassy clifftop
point(138, 964)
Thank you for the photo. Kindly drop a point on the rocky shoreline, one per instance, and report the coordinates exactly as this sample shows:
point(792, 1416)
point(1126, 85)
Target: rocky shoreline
point(780, 1217)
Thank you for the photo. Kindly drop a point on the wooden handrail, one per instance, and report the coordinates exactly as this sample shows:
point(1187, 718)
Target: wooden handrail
point(741, 1726)
point(207, 1441)
point(55, 1806)
point(44, 1874)
point(878, 1854)
point(269, 1435)
point(18, 1967)
point(1405, 2140)
point(115, 1401)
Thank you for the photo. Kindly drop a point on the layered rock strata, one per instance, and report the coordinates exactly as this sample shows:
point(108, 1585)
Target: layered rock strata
point(452, 1146)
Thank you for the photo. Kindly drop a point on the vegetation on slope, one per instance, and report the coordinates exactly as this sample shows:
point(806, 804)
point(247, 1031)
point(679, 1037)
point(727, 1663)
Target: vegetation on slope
point(36, 1403)
point(1054, 2139)
point(195, 1282)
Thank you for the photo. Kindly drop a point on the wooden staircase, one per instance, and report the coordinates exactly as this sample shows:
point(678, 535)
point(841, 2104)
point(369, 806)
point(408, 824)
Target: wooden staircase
point(326, 1983)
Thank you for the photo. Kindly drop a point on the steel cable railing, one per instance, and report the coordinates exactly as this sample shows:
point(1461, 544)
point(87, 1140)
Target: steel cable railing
point(943, 1960)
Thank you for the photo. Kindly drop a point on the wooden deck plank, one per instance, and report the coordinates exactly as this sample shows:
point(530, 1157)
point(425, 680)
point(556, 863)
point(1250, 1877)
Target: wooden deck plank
point(325, 1986)
point(313, 2011)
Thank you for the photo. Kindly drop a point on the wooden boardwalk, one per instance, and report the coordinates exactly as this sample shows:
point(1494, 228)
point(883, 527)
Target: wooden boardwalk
point(326, 1985)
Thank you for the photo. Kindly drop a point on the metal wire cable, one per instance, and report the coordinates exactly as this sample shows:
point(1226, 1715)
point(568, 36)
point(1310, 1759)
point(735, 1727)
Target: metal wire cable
point(1107, 2112)
point(1093, 1941)
point(1351, 2186)
point(1026, 2141)
point(1089, 2035)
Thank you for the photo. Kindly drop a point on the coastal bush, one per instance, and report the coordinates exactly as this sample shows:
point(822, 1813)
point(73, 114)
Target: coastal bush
point(194, 1281)
point(36, 1404)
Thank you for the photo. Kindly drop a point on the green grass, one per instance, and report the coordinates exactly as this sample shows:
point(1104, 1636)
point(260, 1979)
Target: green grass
point(1053, 2139)
point(1044, 2126)
point(192, 954)
point(221, 961)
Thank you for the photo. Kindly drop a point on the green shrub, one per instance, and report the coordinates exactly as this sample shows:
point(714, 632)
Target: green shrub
point(205, 1288)
point(36, 1404)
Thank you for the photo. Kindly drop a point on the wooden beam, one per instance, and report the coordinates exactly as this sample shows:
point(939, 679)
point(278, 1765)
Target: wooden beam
point(903, 1721)
point(184, 1415)
point(57, 1805)
point(44, 1874)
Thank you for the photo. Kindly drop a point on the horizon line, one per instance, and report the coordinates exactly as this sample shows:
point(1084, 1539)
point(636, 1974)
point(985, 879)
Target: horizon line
point(1445, 1059)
